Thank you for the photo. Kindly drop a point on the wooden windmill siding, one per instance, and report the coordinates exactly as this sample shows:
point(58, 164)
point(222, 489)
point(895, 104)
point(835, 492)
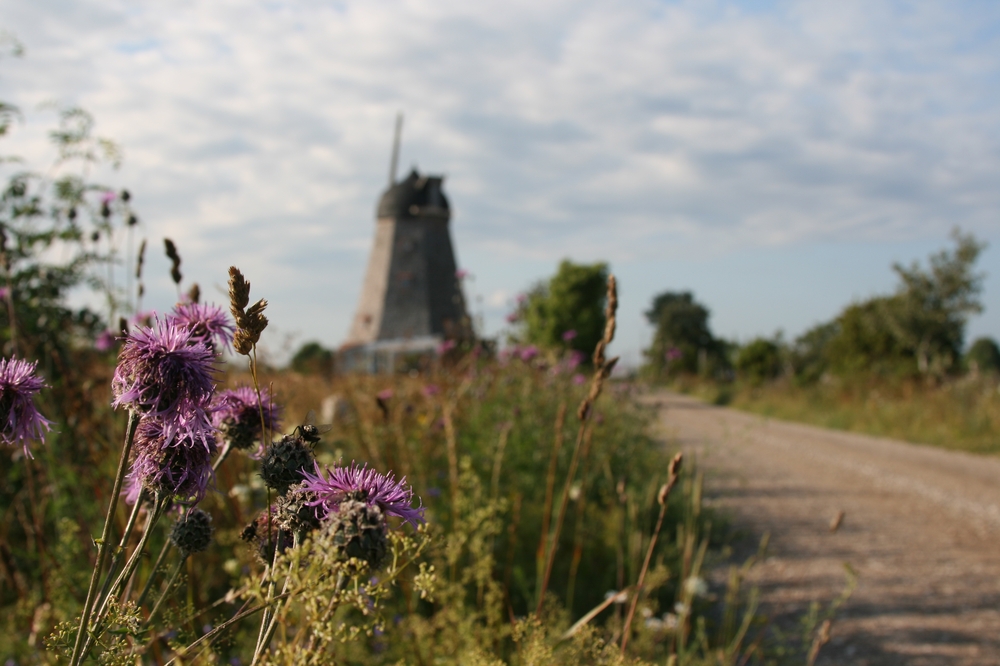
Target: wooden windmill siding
point(412, 299)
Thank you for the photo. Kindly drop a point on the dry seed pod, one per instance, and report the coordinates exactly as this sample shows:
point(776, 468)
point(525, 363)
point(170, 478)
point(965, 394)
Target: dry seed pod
point(175, 268)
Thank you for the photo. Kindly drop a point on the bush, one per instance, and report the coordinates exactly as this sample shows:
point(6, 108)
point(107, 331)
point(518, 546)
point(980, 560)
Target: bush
point(983, 356)
point(758, 361)
point(568, 311)
point(312, 358)
point(683, 342)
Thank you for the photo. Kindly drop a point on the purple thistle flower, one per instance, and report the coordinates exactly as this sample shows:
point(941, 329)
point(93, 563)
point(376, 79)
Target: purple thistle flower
point(161, 373)
point(528, 353)
point(171, 459)
point(20, 421)
point(569, 335)
point(105, 340)
point(235, 412)
point(207, 323)
point(362, 484)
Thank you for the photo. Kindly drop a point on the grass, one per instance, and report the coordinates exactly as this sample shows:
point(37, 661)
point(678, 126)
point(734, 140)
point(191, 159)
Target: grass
point(961, 414)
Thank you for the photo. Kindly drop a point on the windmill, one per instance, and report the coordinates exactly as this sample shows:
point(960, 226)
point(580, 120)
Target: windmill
point(411, 300)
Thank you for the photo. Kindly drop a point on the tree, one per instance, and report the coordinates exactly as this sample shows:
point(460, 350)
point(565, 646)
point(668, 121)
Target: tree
point(932, 305)
point(313, 358)
point(568, 311)
point(759, 360)
point(983, 356)
point(683, 341)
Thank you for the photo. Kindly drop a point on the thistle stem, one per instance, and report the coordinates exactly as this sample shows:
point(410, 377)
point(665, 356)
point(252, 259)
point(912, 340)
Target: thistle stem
point(166, 590)
point(102, 548)
point(152, 574)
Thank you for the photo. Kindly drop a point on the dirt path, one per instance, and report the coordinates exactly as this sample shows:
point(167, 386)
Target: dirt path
point(921, 530)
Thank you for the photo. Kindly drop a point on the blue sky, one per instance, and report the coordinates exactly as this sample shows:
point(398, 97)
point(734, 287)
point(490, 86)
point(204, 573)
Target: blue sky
point(773, 157)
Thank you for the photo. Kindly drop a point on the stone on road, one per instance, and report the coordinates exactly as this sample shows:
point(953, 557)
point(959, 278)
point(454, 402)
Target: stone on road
point(921, 529)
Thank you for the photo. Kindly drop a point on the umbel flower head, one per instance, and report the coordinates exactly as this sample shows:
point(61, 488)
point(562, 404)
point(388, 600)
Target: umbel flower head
point(193, 532)
point(171, 461)
point(236, 413)
point(20, 421)
point(207, 323)
point(393, 498)
point(161, 373)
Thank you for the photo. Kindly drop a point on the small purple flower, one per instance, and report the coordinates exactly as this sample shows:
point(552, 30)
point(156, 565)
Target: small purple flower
point(4, 293)
point(385, 394)
point(673, 354)
point(105, 340)
point(446, 347)
point(576, 357)
point(569, 335)
point(172, 461)
point(108, 197)
point(19, 418)
point(513, 317)
point(207, 323)
point(461, 274)
point(521, 299)
point(236, 413)
point(363, 484)
point(430, 390)
point(579, 379)
point(161, 373)
point(528, 353)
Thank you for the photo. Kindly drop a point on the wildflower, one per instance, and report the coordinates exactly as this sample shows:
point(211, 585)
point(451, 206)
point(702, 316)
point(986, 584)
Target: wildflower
point(4, 293)
point(207, 323)
point(173, 458)
point(193, 532)
point(528, 353)
point(430, 390)
point(19, 418)
point(384, 394)
point(445, 347)
point(236, 413)
point(569, 335)
point(105, 340)
point(161, 373)
point(393, 497)
point(512, 317)
point(296, 510)
point(461, 274)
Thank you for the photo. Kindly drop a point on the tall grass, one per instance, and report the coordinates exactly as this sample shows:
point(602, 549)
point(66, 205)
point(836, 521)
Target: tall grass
point(961, 413)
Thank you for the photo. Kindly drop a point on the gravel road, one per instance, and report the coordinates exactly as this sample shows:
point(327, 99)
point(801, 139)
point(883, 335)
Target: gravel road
point(921, 529)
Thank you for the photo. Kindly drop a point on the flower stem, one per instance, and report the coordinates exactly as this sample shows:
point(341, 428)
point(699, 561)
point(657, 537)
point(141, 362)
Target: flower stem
point(102, 548)
point(152, 574)
point(166, 590)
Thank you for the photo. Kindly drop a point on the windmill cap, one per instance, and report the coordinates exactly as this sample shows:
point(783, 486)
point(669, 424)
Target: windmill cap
point(414, 196)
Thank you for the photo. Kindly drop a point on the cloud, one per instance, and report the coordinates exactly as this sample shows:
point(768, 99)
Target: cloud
point(260, 133)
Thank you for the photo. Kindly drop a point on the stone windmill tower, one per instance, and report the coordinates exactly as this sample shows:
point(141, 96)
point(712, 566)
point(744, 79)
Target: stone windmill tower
point(412, 298)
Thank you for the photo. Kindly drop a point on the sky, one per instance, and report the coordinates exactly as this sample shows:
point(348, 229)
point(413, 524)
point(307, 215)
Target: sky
point(775, 158)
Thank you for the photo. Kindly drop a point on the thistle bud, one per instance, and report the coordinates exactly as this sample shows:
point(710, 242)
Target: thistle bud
point(193, 532)
point(359, 531)
point(284, 463)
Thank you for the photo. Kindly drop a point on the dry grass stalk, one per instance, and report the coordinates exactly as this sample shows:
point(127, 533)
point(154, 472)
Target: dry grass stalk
point(661, 498)
point(250, 322)
point(175, 261)
point(837, 521)
point(550, 483)
point(602, 371)
point(822, 638)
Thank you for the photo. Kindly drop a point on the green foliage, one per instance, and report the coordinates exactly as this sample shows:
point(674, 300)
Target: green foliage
point(572, 300)
point(313, 359)
point(759, 360)
point(918, 330)
point(683, 341)
point(983, 355)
